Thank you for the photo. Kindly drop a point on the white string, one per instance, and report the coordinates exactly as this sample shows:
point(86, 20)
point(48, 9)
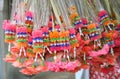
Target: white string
point(9, 46)
point(112, 52)
point(55, 55)
point(48, 49)
point(24, 51)
point(68, 57)
point(64, 54)
point(36, 56)
point(80, 31)
point(74, 52)
point(84, 58)
point(41, 57)
point(20, 52)
point(56, 13)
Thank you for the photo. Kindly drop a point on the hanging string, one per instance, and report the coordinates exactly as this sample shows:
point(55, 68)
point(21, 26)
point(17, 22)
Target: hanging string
point(98, 5)
point(56, 13)
point(64, 13)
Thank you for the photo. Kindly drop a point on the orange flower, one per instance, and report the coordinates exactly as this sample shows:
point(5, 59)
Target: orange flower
point(54, 34)
point(72, 16)
point(91, 26)
point(106, 23)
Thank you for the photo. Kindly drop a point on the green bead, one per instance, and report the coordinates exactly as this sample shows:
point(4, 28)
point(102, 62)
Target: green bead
point(92, 30)
point(73, 41)
point(51, 40)
point(38, 46)
point(29, 50)
point(46, 40)
point(22, 40)
point(9, 37)
point(105, 20)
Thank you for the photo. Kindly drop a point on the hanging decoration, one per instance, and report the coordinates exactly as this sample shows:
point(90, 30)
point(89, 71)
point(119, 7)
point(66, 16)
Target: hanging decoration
point(74, 34)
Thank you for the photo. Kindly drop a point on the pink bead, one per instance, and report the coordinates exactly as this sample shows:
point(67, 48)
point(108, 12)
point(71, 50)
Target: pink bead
point(45, 29)
point(21, 29)
point(84, 20)
point(30, 39)
point(29, 13)
point(5, 23)
point(101, 13)
point(72, 31)
point(37, 33)
point(11, 27)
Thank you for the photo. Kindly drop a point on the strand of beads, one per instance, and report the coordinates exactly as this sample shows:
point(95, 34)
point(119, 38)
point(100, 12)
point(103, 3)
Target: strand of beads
point(54, 39)
point(22, 39)
point(93, 31)
point(94, 35)
point(10, 31)
point(46, 40)
point(73, 41)
point(29, 22)
point(30, 53)
point(109, 34)
point(38, 43)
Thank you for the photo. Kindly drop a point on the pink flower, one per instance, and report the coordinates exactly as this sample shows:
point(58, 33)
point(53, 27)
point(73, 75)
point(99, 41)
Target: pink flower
point(53, 67)
point(42, 68)
point(71, 66)
point(28, 62)
point(63, 66)
point(17, 64)
point(9, 58)
point(103, 51)
point(26, 71)
point(5, 23)
point(29, 13)
point(33, 70)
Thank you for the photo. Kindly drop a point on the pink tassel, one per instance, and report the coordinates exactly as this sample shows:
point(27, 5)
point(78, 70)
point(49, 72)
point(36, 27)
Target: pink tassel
point(49, 24)
point(37, 33)
point(11, 27)
point(102, 13)
point(84, 20)
point(57, 27)
point(21, 29)
point(5, 24)
point(72, 31)
point(45, 29)
point(79, 26)
point(30, 39)
point(29, 13)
